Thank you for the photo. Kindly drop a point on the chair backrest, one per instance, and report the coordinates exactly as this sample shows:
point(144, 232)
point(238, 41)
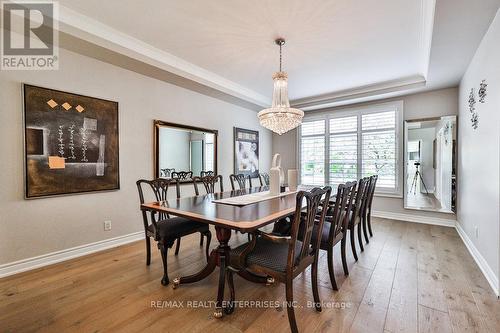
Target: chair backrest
point(209, 183)
point(182, 175)
point(371, 192)
point(206, 173)
point(305, 219)
point(360, 199)
point(167, 172)
point(240, 179)
point(159, 187)
point(337, 215)
point(264, 179)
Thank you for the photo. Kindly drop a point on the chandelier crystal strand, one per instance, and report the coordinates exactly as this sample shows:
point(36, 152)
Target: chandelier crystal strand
point(280, 117)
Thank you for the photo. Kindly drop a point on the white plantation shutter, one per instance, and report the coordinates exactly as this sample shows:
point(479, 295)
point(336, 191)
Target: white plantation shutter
point(343, 150)
point(379, 147)
point(359, 143)
point(312, 153)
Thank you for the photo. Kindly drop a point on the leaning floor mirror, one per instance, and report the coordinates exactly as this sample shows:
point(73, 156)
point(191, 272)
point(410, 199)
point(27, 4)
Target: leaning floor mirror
point(430, 164)
point(183, 152)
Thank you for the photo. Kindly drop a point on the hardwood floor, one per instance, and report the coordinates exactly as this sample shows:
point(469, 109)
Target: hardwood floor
point(410, 278)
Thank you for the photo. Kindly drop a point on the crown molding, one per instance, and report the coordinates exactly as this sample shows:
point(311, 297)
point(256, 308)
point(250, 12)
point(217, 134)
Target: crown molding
point(355, 94)
point(428, 9)
point(90, 31)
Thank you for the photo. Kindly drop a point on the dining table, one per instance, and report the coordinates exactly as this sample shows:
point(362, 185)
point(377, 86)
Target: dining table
point(226, 218)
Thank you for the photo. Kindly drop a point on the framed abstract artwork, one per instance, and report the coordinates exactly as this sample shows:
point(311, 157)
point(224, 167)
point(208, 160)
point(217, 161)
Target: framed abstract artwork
point(246, 152)
point(70, 143)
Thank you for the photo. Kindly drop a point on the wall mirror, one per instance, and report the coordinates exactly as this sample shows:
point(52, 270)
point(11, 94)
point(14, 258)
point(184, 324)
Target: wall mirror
point(430, 164)
point(183, 152)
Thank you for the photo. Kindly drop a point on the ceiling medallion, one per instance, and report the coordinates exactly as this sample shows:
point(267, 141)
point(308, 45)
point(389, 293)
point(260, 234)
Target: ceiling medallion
point(280, 117)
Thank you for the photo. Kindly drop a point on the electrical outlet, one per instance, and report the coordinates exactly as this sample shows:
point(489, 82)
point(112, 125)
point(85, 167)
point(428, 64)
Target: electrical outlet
point(107, 225)
point(476, 231)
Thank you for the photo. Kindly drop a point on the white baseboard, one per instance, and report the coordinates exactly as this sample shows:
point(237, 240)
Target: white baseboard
point(415, 218)
point(488, 273)
point(74, 252)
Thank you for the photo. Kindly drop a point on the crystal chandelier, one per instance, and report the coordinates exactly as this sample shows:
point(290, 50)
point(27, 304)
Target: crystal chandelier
point(280, 117)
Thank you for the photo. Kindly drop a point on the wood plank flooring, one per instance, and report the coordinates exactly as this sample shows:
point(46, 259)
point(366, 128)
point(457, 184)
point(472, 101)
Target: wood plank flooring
point(410, 278)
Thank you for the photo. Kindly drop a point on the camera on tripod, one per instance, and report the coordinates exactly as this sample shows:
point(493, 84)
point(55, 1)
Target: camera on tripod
point(416, 178)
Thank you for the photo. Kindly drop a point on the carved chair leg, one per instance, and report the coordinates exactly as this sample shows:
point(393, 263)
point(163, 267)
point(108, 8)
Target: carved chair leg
point(370, 223)
point(207, 248)
point(314, 280)
point(148, 250)
point(164, 251)
point(289, 306)
point(360, 240)
point(178, 246)
point(365, 233)
point(353, 244)
point(344, 259)
point(201, 239)
point(330, 269)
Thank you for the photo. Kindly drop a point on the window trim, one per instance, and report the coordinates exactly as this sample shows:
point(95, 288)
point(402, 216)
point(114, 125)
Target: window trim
point(397, 106)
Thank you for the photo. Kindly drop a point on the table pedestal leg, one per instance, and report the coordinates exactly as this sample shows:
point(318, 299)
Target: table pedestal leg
point(220, 257)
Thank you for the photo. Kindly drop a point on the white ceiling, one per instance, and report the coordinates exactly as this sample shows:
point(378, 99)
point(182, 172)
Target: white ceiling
point(332, 46)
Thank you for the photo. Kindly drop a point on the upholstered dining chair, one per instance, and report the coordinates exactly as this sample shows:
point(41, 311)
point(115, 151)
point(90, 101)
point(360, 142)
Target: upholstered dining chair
point(284, 258)
point(367, 213)
point(335, 227)
point(206, 173)
point(264, 179)
point(166, 173)
point(165, 229)
point(209, 183)
point(182, 175)
point(241, 180)
point(356, 215)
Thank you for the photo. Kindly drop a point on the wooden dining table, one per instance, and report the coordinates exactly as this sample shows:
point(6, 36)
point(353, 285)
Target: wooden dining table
point(226, 218)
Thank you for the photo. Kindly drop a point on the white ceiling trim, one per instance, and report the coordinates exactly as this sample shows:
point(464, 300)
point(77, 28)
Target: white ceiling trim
point(352, 95)
point(90, 30)
point(428, 10)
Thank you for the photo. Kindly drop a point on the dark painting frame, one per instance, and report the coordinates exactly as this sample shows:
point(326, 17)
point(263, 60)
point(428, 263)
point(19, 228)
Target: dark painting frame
point(86, 160)
point(248, 140)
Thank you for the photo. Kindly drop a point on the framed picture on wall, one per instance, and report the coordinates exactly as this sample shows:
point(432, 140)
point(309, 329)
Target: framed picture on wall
point(70, 143)
point(246, 152)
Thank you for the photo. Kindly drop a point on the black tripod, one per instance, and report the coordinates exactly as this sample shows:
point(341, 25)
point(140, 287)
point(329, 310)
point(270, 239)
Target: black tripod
point(415, 180)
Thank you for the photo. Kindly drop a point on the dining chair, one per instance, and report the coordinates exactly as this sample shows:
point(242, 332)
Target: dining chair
point(164, 229)
point(241, 180)
point(166, 173)
point(335, 226)
point(206, 173)
point(209, 182)
point(264, 179)
point(367, 215)
point(356, 215)
point(284, 258)
point(182, 175)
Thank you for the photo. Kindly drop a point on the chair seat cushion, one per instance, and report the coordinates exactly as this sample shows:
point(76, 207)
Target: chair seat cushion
point(176, 227)
point(268, 254)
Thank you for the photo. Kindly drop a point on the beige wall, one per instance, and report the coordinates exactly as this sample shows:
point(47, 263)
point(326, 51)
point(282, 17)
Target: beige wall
point(423, 105)
point(479, 152)
point(35, 227)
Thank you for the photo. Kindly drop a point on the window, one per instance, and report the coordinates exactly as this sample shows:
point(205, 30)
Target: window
point(312, 147)
point(347, 145)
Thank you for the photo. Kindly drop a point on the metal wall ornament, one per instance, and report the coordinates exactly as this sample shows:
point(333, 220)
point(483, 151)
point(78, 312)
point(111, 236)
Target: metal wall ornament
point(472, 108)
point(482, 91)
